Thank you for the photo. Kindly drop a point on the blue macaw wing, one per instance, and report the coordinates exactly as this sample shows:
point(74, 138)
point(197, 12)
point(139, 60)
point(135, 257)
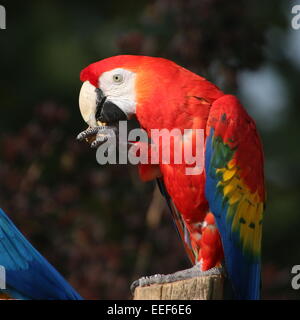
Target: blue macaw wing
point(28, 274)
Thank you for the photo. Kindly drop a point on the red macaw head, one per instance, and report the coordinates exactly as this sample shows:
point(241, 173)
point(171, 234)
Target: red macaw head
point(121, 87)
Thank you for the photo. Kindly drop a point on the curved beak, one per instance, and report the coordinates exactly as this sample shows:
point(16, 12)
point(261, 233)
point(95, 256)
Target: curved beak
point(95, 107)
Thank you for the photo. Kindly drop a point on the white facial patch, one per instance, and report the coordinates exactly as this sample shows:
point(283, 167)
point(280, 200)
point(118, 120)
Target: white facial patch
point(118, 85)
point(87, 103)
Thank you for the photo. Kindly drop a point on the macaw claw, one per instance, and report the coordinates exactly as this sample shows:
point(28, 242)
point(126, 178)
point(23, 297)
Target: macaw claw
point(193, 272)
point(97, 135)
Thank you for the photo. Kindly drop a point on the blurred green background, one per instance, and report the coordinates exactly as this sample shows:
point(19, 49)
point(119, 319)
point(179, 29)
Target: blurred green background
point(100, 226)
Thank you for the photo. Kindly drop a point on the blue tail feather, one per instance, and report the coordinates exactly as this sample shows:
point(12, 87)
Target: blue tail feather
point(28, 274)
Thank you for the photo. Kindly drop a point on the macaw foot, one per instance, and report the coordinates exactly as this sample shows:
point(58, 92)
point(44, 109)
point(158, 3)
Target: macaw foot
point(193, 272)
point(98, 135)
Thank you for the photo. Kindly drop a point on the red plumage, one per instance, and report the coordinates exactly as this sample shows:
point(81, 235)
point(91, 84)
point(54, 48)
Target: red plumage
point(169, 96)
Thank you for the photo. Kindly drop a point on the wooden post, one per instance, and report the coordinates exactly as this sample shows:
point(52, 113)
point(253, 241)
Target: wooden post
point(199, 288)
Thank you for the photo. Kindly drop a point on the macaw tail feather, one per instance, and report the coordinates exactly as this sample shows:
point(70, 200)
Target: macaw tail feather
point(28, 274)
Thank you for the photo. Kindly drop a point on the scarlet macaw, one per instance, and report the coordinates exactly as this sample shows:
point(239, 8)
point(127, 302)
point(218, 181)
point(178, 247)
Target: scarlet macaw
point(219, 212)
point(28, 275)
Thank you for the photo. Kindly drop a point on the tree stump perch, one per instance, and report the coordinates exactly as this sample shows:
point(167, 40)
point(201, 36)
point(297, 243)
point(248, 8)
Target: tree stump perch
point(198, 288)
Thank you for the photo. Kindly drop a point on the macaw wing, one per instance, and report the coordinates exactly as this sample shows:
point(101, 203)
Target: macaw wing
point(235, 191)
point(179, 223)
point(28, 274)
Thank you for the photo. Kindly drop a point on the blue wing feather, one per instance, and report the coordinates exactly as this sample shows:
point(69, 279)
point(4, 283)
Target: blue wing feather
point(244, 272)
point(28, 274)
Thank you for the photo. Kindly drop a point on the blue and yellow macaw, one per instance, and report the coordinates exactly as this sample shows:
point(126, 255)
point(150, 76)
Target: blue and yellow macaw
point(29, 276)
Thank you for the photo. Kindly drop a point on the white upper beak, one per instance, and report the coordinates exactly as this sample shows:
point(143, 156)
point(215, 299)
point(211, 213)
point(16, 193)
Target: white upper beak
point(87, 103)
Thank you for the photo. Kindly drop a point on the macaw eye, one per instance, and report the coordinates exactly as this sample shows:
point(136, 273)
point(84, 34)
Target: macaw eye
point(118, 78)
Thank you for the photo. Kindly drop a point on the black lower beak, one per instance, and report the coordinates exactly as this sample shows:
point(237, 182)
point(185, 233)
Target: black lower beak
point(107, 111)
point(111, 113)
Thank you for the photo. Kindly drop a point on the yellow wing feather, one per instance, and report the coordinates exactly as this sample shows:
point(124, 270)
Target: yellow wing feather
point(245, 210)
